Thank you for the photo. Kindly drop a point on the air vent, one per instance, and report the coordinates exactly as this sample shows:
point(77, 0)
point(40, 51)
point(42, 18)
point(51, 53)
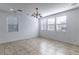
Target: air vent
point(20, 10)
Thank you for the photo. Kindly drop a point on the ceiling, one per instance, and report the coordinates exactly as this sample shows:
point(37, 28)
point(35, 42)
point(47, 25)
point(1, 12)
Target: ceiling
point(44, 8)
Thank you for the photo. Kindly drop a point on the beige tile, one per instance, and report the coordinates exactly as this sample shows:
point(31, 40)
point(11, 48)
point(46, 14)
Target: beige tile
point(38, 46)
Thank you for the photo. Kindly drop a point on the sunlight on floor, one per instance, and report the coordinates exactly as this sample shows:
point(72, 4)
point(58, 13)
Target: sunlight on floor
point(47, 49)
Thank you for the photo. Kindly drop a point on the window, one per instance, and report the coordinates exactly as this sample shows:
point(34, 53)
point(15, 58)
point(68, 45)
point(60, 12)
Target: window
point(61, 23)
point(43, 24)
point(12, 24)
point(51, 24)
point(54, 24)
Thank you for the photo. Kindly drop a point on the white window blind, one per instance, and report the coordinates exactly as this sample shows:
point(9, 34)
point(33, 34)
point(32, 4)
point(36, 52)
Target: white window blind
point(51, 24)
point(61, 23)
point(43, 24)
point(12, 24)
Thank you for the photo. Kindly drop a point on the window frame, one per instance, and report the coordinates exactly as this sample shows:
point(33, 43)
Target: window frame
point(43, 24)
point(55, 24)
point(16, 25)
point(61, 30)
point(48, 24)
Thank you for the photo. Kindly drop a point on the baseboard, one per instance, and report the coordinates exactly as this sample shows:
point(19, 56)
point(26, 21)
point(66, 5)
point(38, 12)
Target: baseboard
point(61, 41)
point(13, 40)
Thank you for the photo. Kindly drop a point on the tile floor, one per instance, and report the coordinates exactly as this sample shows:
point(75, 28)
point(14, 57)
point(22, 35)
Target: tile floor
point(38, 46)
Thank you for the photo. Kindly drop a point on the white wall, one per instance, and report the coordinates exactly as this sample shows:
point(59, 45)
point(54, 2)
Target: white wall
point(28, 28)
point(72, 33)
